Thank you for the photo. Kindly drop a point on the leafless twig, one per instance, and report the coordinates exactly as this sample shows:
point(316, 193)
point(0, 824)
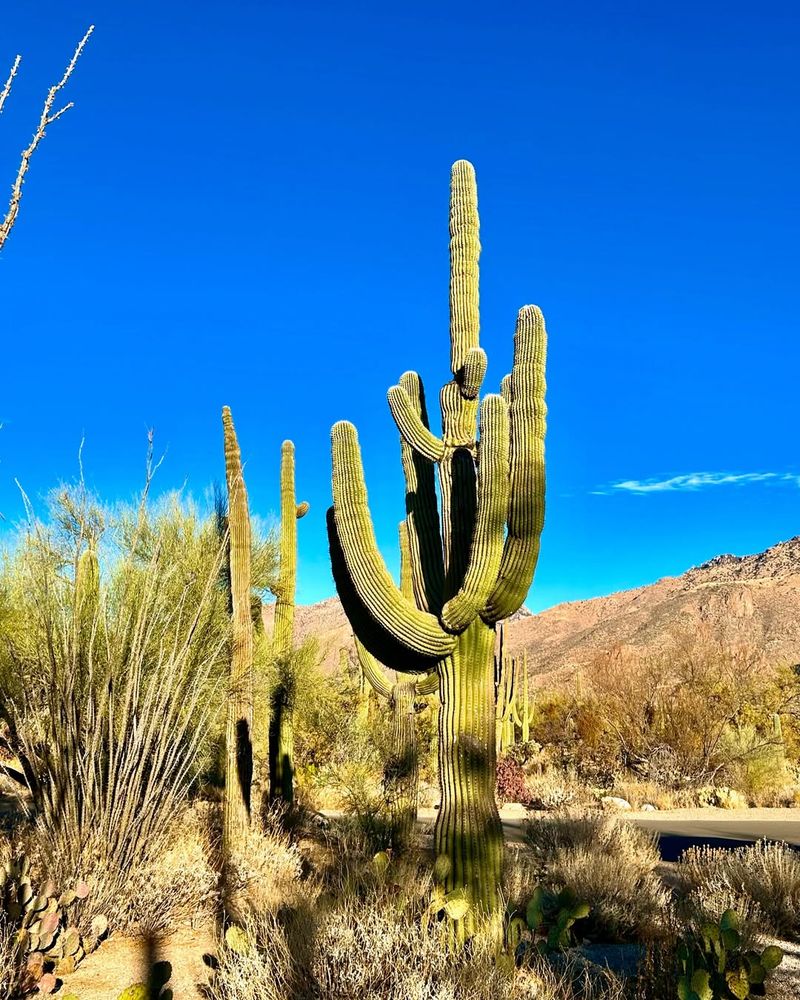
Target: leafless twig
point(48, 116)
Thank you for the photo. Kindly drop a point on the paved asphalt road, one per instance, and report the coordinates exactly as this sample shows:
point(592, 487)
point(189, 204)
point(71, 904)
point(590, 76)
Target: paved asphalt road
point(680, 829)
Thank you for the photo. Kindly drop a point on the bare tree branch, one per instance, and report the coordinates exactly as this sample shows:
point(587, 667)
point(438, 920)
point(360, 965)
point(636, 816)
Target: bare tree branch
point(7, 89)
point(48, 116)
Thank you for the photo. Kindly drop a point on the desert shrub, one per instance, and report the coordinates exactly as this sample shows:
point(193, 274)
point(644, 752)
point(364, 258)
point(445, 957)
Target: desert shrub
point(348, 947)
point(761, 882)
point(108, 687)
point(511, 783)
point(14, 979)
point(611, 865)
point(553, 789)
point(263, 875)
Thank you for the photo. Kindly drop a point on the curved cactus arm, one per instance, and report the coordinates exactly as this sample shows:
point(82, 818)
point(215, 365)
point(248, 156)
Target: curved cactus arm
point(488, 535)
point(465, 249)
point(505, 388)
point(373, 671)
point(422, 511)
point(406, 578)
point(526, 508)
point(417, 630)
point(394, 655)
point(428, 685)
point(413, 431)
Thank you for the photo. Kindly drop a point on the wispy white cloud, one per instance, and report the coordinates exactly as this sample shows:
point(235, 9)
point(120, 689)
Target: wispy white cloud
point(697, 481)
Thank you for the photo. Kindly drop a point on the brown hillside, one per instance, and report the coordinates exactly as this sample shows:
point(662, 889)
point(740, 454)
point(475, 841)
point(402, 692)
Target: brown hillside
point(738, 599)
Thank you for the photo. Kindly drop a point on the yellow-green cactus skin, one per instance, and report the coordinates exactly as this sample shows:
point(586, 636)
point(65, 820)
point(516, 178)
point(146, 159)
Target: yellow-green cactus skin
point(281, 728)
point(239, 722)
point(472, 556)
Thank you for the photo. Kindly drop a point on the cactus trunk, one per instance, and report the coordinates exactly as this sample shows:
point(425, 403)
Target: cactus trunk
point(468, 831)
point(239, 718)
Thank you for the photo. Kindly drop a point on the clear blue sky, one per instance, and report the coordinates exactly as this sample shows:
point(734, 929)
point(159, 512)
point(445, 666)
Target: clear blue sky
point(248, 205)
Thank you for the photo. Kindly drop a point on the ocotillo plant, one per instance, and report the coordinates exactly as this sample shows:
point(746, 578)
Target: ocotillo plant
point(238, 732)
point(523, 712)
point(281, 728)
point(505, 675)
point(473, 573)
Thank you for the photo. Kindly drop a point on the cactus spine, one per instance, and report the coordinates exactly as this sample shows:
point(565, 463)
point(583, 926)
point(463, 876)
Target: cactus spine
point(472, 566)
point(281, 728)
point(505, 678)
point(239, 723)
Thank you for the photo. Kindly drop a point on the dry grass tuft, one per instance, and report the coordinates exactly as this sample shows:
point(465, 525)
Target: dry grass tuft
point(762, 882)
point(609, 864)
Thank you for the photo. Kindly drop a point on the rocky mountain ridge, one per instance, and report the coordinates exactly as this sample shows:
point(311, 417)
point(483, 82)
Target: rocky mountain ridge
point(753, 599)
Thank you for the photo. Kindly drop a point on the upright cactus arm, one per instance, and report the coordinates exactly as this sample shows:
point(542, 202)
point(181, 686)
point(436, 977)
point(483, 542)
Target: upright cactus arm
point(488, 535)
point(418, 631)
point(526, 509)
point(465, 249)
point(422, 510)
point(409, 422)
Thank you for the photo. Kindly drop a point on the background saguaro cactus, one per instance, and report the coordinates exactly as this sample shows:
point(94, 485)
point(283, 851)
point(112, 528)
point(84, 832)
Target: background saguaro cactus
point(523, 709)
point(281, 731)
point(238, 732)
point(505, 678)
point(472, 566)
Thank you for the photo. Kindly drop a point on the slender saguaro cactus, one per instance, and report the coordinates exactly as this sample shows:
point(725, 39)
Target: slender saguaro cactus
point(281, 728)
point(238, 733)
point(472, 564)
point(505, 683)
point(523, 714)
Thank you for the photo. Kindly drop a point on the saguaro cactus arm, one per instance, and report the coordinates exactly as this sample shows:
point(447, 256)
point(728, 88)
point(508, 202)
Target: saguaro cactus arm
point(465, 249)
point(373, 671)
point(489, 532)
point(417, 630)
point(422, 511)
point(526, 507)
point(409, 423)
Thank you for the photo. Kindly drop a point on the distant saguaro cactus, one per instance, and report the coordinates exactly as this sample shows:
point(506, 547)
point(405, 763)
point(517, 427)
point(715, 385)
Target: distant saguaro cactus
point(469, 575)
point(523, 711)
point(281, 725)
point(505, 684)
point(238, 732)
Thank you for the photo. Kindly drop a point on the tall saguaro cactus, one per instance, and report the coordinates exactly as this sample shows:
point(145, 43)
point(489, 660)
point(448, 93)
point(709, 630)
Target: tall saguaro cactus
point(281, 729)
point(472, 564)
point(239, 723)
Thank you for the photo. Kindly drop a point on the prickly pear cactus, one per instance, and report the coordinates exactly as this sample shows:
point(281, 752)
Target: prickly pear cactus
point(472, 561)
point(40, 917)
point(714, 966)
